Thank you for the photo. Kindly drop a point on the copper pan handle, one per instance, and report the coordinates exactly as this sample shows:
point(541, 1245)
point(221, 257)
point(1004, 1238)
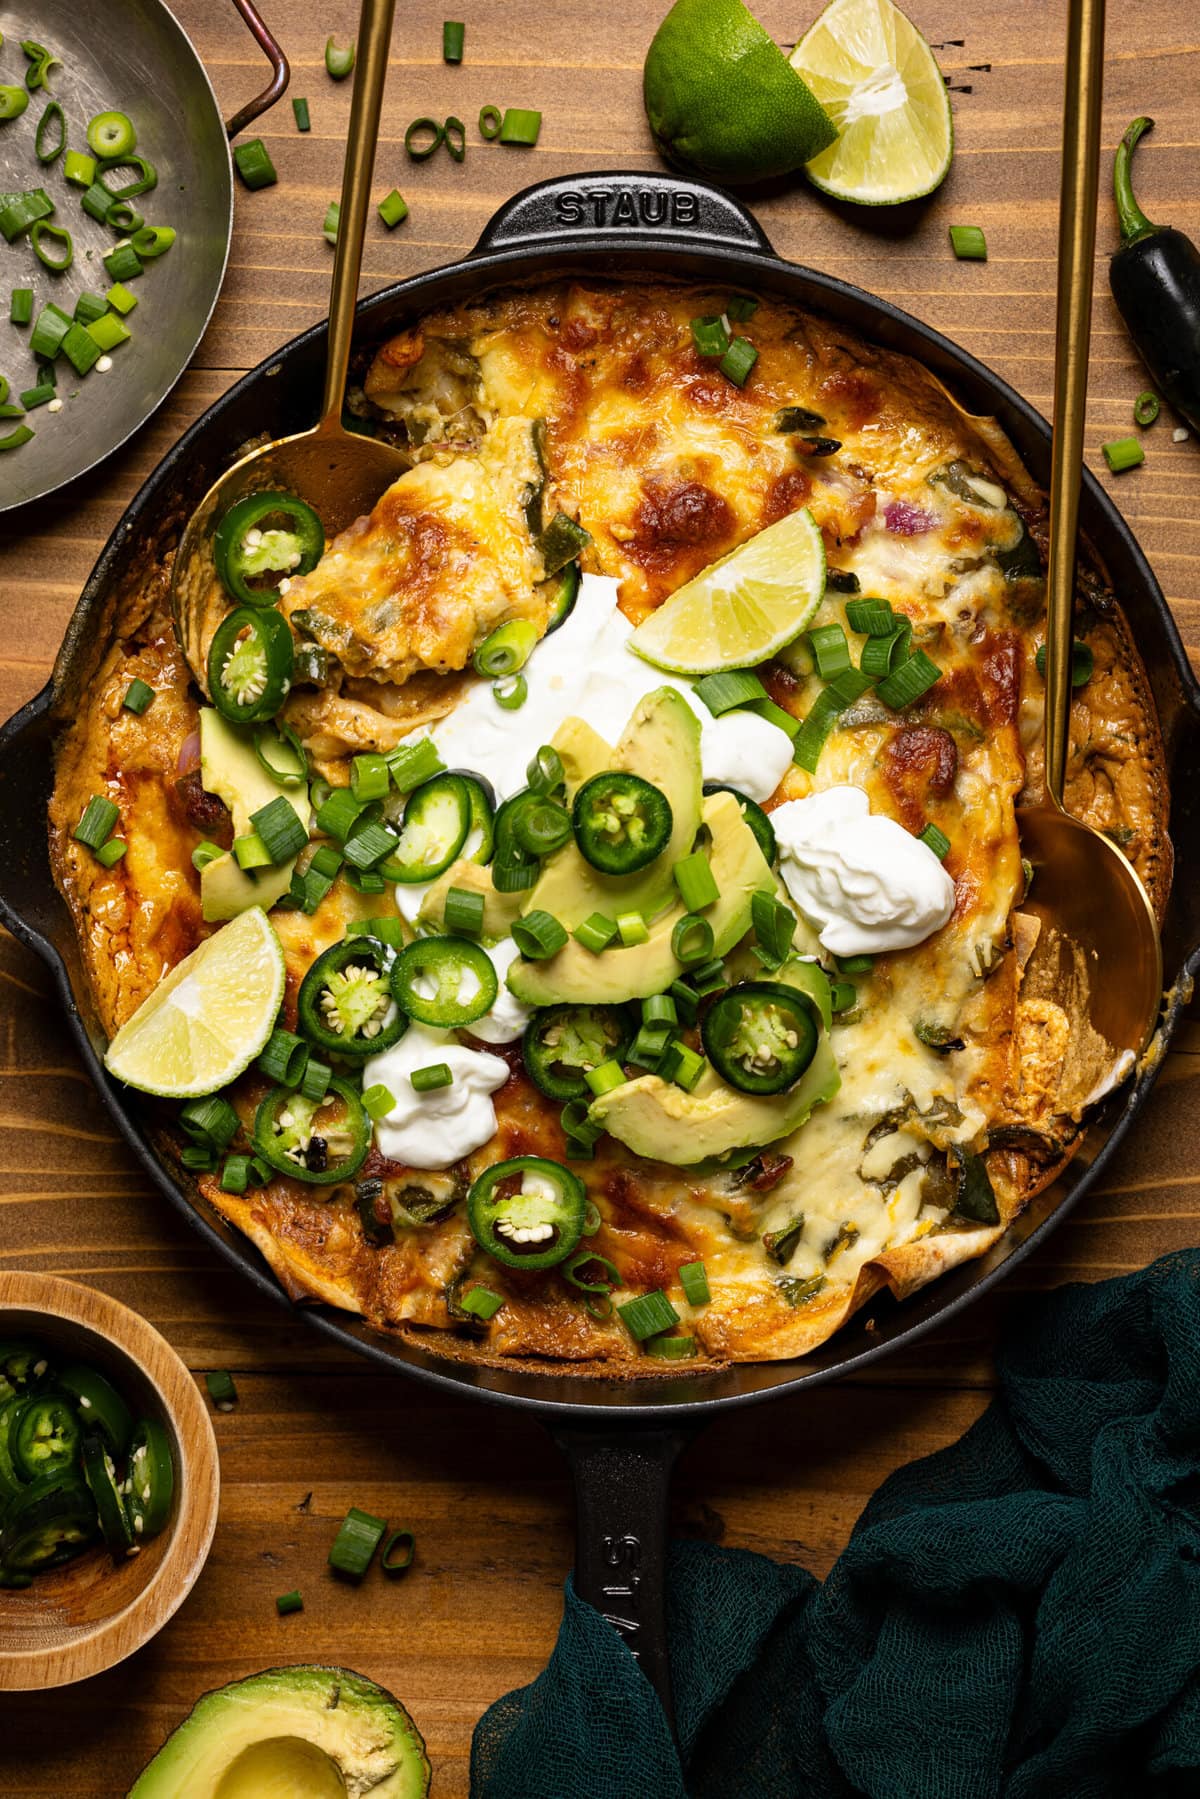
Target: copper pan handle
point(281, 74)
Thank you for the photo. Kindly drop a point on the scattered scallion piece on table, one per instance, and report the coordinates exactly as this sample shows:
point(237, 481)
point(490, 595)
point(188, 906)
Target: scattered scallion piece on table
point(20, 306)
point(354, 1546)
point(254, 165)
point(520, 126)
point(1123, 453)
point(287, 1603)
point(300, 109)
point(454, 136)
point(329, 227)
point(416, 131)
point(138, 695)
point(1145, 408)
point(392, 209)
point(339, 63)
point(51, 138)
point(491, 120)
point(968, 243)
point(453, 33)
point(401, 1546)
point(632, 929)
point(221, 1389)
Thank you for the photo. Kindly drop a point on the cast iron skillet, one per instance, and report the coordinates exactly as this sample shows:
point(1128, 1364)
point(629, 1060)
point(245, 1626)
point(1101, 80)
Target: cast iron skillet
point(620, 1438)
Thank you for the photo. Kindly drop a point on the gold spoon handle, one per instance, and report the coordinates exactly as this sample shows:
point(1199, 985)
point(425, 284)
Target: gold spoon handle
point(1084, 83)
point(366, 105)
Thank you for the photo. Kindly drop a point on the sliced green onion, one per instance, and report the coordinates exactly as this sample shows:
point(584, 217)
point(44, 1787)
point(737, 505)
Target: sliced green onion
point(378, 1101)
point(50, 328)
point(38, 396)
point(1121, 454)
point(221, 1389)
point(199, 1160)
point(453, 33)
point(775, 715)
point(506, 649)
point(235, 1175)
point(738, 360)
point(709, 976)
point(314, 1084)
point(538, 935)
point(774, 926)
point(123, 217)
point(123, 263)
point(110, 853)
point(20, 305)
point(604, 1077)
point(907, 683)
point(283, 756)
point(89, 307)
point(339, 63)
point(873, 618)
point(463, 916)
point(41, 61)
point(392, 209)
point(934, 840)
point(20, 212)
point(153, 240)
point(855, 964)
point(145, 176)
point(454, 136)
point(329, 227)
point(109, 331)
point(210, 1121)
point(842, 995)
point(648, 1315)
point(541, 825)
point(370, 777)
point(510, 692)
point(682, 1065)
point(79, 169)
point(695, 881)
point(110, 135)
point(1145, 408)
point(830, 650)
point(693, 1278)
point(96, 203)
point(881, 654)
point(692, 939)
point(138, 695)
point(52, 120)
point(578, 1125)
point(99, 817)
point(401, 1546)
point(520, 126)
point(13, 101)
point(254, 165)
point(685, 1000)
point(355, 1544)
point(204, 853)
point(660, 1009)
point(710, 335)
point(284, 1059)
point(647, 1048)
point(671, 1349)
point(632, 928)
point(430, 1078)
point(45, 238)
point(300, 111)
point(596, 932)
point(280, 829)
point(1083, 663)
point(722, 693)
point(740, 307)
point(286, 1603)
point(412, 764)
point(370, 845)
point(421, 152)
point(545, 772)
point(491, 119)
point(338, 815)
point(968, 243)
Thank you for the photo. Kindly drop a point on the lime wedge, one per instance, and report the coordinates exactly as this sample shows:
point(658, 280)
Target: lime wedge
point(207, 1020)
point(743, 608)
point(878, 80)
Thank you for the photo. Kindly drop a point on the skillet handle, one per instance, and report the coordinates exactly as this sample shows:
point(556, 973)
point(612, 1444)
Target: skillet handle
point(281, 74)
point(645, 207)
point(622, 1486)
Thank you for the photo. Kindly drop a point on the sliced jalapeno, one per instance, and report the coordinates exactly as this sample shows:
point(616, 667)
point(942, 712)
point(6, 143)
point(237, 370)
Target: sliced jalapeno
point(527, 1212)
point(758, 820)
point(261, 539)
point(480, 843)
point(446, 981)
point(44, 1436)
point(563, 590)
point(321, 1141)
point(150, 1479)
point(10, 1481)
point(345, 1003)
point(250, 664)
point(437, 819)
point(621, 822)
point(101, 1478)
point(49, 1522)
point(24, 1366)
point(100, 1407)
point(760, 1036)
point(563, 1043)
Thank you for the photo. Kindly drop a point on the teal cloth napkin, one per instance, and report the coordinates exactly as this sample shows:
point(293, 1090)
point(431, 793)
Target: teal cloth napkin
point(1017, 1615)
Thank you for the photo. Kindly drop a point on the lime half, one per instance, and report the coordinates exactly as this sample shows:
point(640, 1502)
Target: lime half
point(879, 82)
point(207, 1020)
point(743, 608)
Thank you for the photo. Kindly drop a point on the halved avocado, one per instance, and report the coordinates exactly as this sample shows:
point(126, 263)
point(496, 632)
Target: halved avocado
point(320, 1732)
point(230, 769)
point(661, 743)
point(658, 1120)
point(636, 972)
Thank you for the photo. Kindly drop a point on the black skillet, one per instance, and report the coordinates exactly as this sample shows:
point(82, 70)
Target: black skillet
point(619, 1438)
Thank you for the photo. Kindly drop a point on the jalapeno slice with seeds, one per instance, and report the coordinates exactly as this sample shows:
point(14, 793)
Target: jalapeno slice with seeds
point(44, 1436)
point(318, 1141)
point(150, 1482)
point(250, 664)
point(437, 820)
point(621, 822)
point(101, 1478)
point(760, 1036)
point(562, 1043)
point(446, 981)
point(100, 1407)
point(23, 1367)
point(527, 1212)
point(345, 1003)
point(261, 539)
point(50, 1522)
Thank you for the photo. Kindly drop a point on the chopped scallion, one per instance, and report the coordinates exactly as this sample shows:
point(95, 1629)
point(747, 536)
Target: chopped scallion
point(693, 1278)
point(830, 651)
point(123, 263)
point(401, 1546)
point(491, 119)
point(696, 882)
point(254, 165)
point(430, 1078)
point(50, 328)
point(20, 305)
point(1145, 409)
point(280, 829)
point(505, 649)
point(692, 939)
point(681, 1064)
point(671, 1349)
point(914, 677)
point(99, 817)
point(110, 853)
point(109, 331)
point(338, 63)
point(38, 396)
point(51, 138)
point(648, 1315)
point(968, 243)
point(153, 240)
point(356, 1542)
point(378, 1100)
point(632, 928)
point(204, 853)
point(415, 137)
point(1121, 453)
point(538, 935)
point(934, 840)
point(20, 212)
point(300, 112)
point(286, 1603)
point(370, 777)
point(138, 695)
point(604, 1077)
point(510, 692)
point(221, 1389)
point(284, 1059)
point(520, 126)
point(596, 932)
point(453, 33)
point(393, 209)
point(738, 361)
point(722, 693)
point(710, 335)
point(1083, 662)
point(412, 764)
point(79, 168)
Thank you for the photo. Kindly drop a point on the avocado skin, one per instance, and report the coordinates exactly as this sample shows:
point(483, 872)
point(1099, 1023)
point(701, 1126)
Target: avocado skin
point(363, 1729)
point(230, 769)
point(661, 1122)
point(642, 969)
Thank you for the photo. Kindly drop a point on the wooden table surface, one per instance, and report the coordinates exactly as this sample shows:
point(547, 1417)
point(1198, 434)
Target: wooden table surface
point(315, 1430)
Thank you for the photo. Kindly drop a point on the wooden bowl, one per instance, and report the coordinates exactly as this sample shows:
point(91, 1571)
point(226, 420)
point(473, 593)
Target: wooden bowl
point(89, 1614)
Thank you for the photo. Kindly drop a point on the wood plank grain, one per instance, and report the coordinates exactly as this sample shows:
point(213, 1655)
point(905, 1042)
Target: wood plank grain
point(484, 1489)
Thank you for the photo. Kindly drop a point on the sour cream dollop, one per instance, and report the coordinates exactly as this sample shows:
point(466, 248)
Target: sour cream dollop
point(864, 881)
point(431, 1130)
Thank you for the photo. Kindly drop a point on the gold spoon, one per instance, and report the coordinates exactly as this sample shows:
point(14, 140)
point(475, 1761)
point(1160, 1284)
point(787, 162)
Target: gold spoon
point(339, 473)
point(1098, 953)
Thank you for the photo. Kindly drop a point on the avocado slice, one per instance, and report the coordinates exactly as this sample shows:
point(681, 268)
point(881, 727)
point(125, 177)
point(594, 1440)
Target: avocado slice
point(583, 752)
point(230, 769)
point(323, 1732)
point(661, 743)
point(499, 909)
point(660, 1121)
point(645, 968)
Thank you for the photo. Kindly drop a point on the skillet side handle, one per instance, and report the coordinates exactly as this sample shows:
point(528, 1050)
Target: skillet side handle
point(281, 74)
point(618, 204)
point(622, 1486)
